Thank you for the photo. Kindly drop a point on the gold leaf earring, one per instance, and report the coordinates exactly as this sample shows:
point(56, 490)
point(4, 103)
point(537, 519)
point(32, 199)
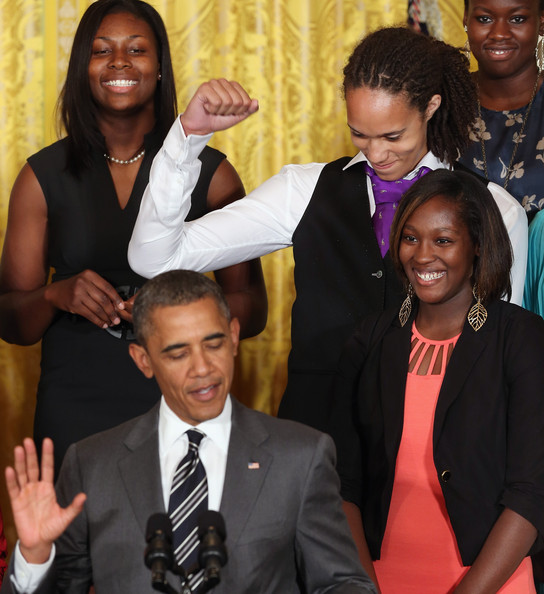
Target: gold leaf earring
point(406, 307)
point(466, 47)
point(477, 314)
point(539, 53)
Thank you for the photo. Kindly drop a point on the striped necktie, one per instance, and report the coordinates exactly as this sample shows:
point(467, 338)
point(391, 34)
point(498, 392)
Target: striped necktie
point(188, 500)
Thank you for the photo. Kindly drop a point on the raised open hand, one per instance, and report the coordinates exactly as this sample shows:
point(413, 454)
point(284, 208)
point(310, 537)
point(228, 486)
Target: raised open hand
point(217, 105)
point(38, 517)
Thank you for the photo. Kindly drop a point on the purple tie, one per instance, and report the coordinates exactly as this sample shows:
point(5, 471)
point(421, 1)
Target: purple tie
point(387, 195)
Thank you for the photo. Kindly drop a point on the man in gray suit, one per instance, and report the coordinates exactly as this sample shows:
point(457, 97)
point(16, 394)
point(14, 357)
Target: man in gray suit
point(274, 481)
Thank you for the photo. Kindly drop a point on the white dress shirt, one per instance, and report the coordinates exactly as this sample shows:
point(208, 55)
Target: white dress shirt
point(173, 445)
point(213, 449)
point(261, 223)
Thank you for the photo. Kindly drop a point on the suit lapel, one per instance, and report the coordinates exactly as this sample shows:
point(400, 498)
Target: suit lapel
point(464, 358)
point(140, 468)
point(395, 357)
point(394, 361)
point(247, 466)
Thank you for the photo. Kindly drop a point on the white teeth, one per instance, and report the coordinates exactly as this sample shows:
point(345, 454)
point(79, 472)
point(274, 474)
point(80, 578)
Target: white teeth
point(499, 52)
point(204, 390)
point(429, 276)
point(120, 83)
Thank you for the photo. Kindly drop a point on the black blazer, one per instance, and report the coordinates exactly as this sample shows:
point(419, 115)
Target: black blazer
point(488, 434)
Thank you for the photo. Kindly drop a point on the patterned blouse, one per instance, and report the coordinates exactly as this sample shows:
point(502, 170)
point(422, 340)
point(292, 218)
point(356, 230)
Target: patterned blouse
point(500, 130)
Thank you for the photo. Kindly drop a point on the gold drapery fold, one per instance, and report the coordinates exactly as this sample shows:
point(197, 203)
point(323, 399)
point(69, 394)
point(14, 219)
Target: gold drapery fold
point(289, 54)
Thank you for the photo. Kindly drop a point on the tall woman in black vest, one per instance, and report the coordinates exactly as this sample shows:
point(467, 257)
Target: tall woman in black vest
point(73, 207)
point(410, 102)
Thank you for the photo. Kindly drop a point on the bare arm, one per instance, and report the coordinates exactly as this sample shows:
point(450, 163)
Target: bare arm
point(243, 284)
point(507, 544)
point(355, 521)
point(27, 303)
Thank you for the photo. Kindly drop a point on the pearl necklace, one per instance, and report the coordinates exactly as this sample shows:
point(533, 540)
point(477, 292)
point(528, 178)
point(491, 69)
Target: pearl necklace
point(520, 135)
point(128, 161)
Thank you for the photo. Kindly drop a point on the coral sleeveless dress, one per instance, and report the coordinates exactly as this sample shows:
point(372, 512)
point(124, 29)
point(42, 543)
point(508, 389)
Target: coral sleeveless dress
point(419, 553)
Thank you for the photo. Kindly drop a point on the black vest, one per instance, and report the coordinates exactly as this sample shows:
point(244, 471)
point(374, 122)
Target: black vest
point(340, 277)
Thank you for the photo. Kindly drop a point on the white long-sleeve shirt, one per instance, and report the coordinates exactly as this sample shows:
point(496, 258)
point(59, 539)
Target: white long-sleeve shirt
point(261, 223)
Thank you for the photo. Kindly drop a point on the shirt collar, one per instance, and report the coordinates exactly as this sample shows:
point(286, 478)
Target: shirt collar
point(171, 427)
point(429, 160)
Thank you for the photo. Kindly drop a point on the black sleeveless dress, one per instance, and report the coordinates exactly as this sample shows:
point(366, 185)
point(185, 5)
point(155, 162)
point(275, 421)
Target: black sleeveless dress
point(88, 381)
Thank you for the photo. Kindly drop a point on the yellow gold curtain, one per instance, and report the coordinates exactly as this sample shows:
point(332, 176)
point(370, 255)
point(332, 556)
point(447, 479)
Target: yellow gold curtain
point(288, 53)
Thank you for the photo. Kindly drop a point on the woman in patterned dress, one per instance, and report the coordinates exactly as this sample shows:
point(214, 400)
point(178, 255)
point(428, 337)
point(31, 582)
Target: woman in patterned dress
point(508, 140)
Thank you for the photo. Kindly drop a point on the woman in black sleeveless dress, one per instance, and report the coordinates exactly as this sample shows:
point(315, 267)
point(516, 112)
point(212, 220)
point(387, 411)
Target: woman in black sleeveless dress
point(72, 209)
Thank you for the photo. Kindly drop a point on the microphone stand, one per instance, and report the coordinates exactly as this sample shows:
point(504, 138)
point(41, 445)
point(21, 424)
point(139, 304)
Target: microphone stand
point(164, 586)
point(211, 557)
point(204, 587)
point(207, 584)
point(185, 587)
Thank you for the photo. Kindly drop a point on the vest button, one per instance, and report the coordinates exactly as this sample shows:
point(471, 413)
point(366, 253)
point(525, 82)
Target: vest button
point(445, 476)
point(378, 274)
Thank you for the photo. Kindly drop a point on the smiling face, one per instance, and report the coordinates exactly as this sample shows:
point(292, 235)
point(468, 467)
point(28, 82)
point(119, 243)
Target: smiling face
point(437, 254)
point(124, 64)
point(190, 351)
point(503, 34)
point(388, 130)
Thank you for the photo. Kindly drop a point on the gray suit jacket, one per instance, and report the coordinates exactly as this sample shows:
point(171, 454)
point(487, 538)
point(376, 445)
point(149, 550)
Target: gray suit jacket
point(282, 518)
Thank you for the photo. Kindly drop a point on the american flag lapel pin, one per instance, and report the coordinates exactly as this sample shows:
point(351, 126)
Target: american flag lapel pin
point(253, 466)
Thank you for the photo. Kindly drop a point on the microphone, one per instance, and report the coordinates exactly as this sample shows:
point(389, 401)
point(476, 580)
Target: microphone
point(158, 554)
point(212, 553)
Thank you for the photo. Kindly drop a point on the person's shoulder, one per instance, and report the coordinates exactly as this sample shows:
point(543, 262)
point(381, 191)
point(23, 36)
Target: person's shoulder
point(108, 442)
point(506, 202)
point(459, 166)
point(515, 320)
point(51, 160)
point(537, 224)
point(316, 169)
point(512, 311)
point(342, 162)
point(283, 432)
point(516, 336)
point(52, 151)
point(374, 326)
point(211, 154)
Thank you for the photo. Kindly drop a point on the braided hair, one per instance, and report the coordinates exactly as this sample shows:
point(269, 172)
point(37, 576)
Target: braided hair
point(398, 60)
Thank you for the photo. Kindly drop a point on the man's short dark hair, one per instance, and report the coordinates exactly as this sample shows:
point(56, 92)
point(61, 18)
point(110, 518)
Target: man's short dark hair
point(176, 287)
